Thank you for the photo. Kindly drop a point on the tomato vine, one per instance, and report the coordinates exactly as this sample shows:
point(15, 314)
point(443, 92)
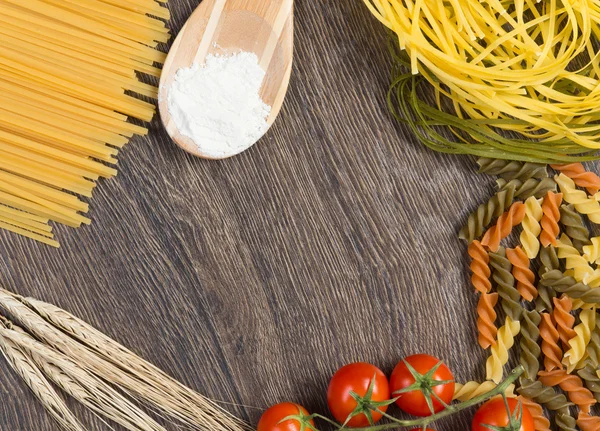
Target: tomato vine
point(306, 421)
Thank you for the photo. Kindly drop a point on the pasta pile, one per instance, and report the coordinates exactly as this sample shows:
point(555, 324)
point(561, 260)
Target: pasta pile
point(68, 84)
point(551, 318)
point(519, 66)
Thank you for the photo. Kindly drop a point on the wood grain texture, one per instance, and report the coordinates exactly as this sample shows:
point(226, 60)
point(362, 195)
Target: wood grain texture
point(253, 279)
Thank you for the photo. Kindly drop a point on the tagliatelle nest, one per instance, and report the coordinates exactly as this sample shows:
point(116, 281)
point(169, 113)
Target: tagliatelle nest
point(524, 66)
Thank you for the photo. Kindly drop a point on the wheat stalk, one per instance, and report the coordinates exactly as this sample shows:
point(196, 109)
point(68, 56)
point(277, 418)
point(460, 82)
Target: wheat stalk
point(86, 388)
point(105, 357)
point(39, 385)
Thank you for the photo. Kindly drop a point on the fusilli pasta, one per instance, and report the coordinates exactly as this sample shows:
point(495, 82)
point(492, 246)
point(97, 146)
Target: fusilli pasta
point(531, 187)
point(505, 284)
point(552, 351)
point(522, 273)
point(484, 214)
point(550, 218)
point(531, 227)
point(565, 422)
point(579, 199)
point(544, 395)
point(480, 269)
point(591, 252)
point(587, 422)
point(530, 349)
point(581, 269)
point(591, 380)
point(572, 385)
point(499, 353)
point(566, 284)
point(504, 225)
point(578, 304)
point(563, 319)
point(582, 178)
point(509, 169)
point(486, 319)
point(578, 344)
point(593, 348)
point(470, 390)
point(565, 297)
point(574, 226)
point(549, 261)
point(540, 421)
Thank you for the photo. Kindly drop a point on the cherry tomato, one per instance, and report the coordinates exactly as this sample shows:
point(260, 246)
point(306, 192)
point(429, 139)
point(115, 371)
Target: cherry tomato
point(356, 377)
point(270, 419)
point(493, 412)
point(414, 402)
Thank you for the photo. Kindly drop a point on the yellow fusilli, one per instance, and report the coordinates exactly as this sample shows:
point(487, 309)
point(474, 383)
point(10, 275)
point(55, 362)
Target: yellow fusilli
point(469, 390)
point(531, 227)
point(579, 304)
point(578, 343)
point(592, 252)
point(578, 198)
point(499, 353)
point(578, 265)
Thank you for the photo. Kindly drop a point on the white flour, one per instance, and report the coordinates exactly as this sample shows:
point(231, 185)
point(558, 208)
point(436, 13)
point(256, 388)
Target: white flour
point(218, 104)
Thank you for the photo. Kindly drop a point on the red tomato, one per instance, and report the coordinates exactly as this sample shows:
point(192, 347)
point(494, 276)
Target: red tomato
point(270, 419)
point(357, 378)
point(413, 402)
point(493, 412)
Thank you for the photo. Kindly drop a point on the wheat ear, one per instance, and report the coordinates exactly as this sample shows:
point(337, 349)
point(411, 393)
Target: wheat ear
point(118, 365)
point(39, 385)
point(86, 388)
point(178, 400)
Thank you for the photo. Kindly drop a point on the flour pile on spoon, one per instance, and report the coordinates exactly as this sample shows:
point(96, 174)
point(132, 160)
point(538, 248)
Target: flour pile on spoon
point(217, 105)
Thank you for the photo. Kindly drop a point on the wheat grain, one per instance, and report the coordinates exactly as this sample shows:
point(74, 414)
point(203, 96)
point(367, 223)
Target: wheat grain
point(103, 356)
point(39, 385)
point(86, 388)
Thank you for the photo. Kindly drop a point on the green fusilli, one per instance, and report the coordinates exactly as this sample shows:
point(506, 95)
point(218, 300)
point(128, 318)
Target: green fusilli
point(481, 218)
point(511, 170)
point(531, 187)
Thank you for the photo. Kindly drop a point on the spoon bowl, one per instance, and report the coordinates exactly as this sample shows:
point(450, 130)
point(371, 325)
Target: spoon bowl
point(226, 27)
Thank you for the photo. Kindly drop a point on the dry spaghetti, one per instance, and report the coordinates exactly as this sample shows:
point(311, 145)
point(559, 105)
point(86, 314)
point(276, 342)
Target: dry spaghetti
point(68, 83)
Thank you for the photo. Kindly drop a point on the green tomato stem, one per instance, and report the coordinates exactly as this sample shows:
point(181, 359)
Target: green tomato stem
point(448, 411)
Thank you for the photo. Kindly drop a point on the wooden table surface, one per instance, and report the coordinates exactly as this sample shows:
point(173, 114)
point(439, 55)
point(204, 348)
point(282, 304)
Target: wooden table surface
point(253, 279)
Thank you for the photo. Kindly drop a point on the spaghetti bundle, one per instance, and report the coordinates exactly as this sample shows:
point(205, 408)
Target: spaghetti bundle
point(520, 66)
point(67, 87)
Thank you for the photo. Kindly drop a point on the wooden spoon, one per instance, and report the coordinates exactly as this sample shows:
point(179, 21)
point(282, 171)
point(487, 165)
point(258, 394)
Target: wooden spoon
point(264, 27)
